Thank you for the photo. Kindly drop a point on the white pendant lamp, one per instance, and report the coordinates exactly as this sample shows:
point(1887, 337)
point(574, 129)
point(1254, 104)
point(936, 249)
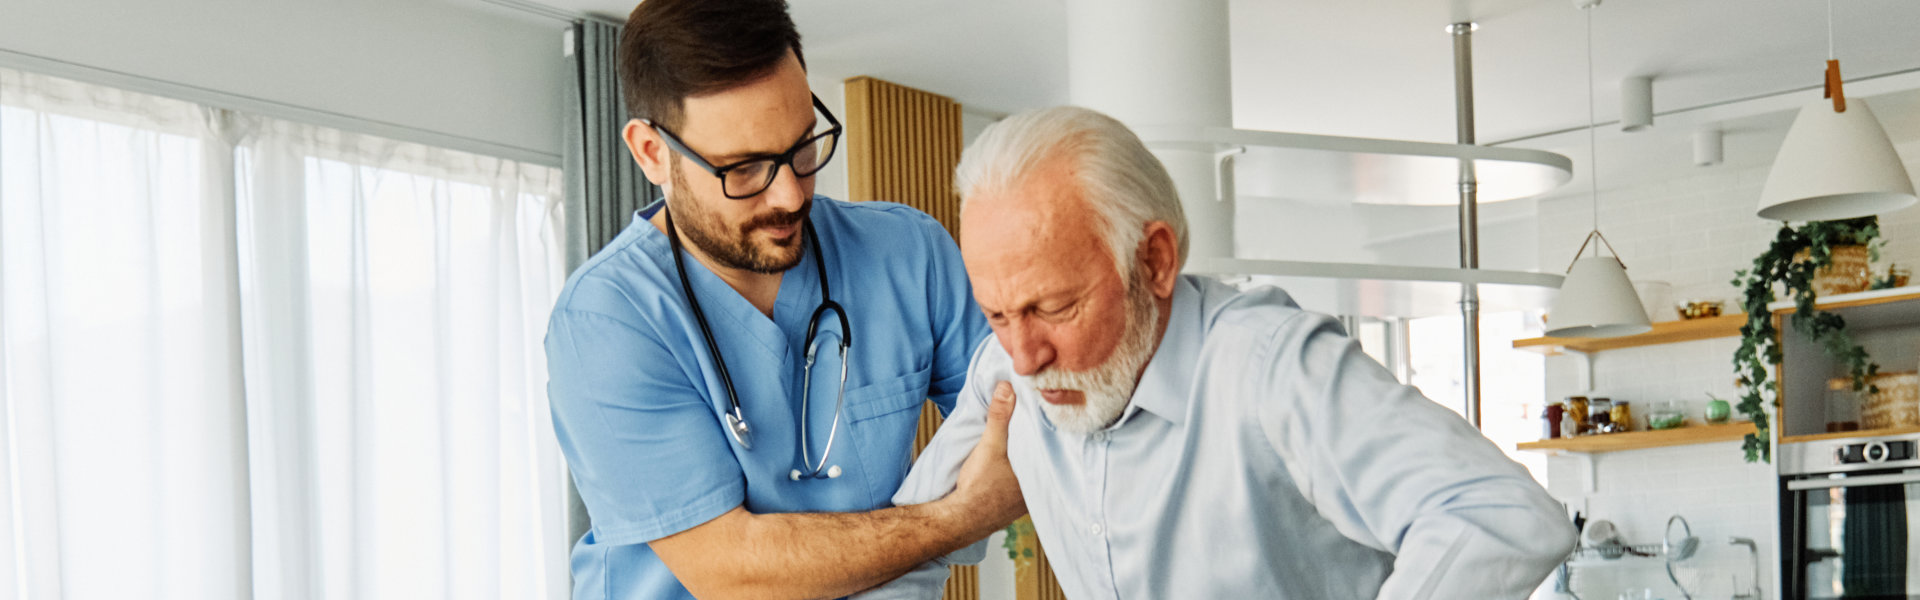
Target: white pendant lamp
point(1836, 162)
point(1597, 299)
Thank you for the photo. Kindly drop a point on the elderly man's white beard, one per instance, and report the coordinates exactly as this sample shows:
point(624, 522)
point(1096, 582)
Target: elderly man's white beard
point(1108, 387)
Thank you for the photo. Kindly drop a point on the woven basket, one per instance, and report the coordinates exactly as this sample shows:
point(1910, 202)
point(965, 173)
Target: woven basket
point(1850, 271)
point(1896, 405)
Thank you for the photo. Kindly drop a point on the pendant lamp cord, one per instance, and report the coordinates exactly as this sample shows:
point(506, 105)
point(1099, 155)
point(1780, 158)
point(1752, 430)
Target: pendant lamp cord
point(1829, 29)
point(1593, 152)
point(1593, 160)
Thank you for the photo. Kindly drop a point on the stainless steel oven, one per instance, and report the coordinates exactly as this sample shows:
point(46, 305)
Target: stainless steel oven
point(1847, 509)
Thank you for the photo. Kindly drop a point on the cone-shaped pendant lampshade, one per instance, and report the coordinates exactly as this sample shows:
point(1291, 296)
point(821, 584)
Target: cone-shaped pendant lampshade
point(1835, 165)
point(1597, 300)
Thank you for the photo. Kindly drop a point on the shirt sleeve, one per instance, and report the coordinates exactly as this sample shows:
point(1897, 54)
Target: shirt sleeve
point(958, 325)
point(645, 448)
point(1398, 472)
point(935, 475)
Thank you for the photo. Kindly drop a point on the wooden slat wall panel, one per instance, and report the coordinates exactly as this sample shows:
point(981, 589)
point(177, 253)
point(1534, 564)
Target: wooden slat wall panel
point(902, 146)
point(1047, 587)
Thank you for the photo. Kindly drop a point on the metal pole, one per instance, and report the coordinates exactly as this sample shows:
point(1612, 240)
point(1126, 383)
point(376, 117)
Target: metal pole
point(1399, 349)
point(1469, 218)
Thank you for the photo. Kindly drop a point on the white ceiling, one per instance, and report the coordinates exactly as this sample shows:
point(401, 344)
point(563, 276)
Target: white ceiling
point(1383, 68)
point(1380, 68)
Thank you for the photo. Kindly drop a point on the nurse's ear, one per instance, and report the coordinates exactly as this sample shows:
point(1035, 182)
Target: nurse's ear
point(648, 151)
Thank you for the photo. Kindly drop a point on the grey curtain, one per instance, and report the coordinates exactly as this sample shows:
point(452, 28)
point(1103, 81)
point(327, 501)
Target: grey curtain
point(604, 186)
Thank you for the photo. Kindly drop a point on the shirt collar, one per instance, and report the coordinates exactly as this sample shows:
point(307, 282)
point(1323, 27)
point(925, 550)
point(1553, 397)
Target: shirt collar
point(1164, 384)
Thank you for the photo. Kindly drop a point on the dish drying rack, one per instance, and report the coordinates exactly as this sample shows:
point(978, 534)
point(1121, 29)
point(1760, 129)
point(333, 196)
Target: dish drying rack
point(1588, 555)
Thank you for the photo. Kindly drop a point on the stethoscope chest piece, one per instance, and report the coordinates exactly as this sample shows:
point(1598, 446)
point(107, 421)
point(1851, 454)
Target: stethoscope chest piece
point(740, 431)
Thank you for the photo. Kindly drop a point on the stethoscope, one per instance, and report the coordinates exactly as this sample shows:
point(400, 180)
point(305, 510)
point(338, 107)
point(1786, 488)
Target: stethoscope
point(736, 418)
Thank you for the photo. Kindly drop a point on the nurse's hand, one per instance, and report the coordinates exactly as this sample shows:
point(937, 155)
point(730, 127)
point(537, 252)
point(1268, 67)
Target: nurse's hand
point(987, 489)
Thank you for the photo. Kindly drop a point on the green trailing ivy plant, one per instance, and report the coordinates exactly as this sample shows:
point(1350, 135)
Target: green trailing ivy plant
point(1017, 551)
point(1759, 340)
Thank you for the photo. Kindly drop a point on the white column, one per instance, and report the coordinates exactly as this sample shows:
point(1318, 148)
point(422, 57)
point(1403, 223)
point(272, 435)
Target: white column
point(1161, 63)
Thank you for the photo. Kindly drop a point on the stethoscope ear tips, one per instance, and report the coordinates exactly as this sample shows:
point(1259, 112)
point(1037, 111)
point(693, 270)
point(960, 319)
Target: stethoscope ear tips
point(795, 475)
point(833, 471)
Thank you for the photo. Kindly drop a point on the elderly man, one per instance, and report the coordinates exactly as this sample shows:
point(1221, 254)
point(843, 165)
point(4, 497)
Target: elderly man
point(1175, 437)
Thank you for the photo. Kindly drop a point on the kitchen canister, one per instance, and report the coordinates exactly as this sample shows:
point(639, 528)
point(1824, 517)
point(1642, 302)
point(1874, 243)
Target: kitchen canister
point(1849, 271)
point(1895, 404)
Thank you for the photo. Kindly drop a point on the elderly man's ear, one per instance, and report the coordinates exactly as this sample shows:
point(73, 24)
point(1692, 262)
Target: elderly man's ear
point(1160, 254)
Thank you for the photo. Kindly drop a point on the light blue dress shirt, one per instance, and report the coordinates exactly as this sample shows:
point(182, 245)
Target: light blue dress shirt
point(1263, 455)
point(638, 404)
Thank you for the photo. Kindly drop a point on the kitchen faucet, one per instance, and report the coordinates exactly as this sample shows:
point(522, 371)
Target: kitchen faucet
point(1753, 551)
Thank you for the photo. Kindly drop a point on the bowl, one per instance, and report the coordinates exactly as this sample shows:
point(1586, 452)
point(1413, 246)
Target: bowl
point(1699, 309)
point(1665, 414)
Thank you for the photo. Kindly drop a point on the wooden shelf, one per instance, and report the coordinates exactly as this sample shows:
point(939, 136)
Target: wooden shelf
point(1862, 433)
point(1666, 332)
point(1839, 301)
point(1635, 440)
point(1669, 332)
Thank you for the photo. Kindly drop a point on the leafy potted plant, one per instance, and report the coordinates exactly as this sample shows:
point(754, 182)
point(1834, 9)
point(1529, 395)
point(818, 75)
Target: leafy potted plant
point(1797, 257)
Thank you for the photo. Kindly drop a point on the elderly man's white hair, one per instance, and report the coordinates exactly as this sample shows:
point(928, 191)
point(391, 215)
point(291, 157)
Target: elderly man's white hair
point(1123, 182)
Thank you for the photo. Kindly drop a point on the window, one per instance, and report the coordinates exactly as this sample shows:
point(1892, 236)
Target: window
point(1511, 381)
point(243, 357)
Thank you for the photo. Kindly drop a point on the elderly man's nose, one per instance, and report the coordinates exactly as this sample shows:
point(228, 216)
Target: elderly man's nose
point(1029, 349)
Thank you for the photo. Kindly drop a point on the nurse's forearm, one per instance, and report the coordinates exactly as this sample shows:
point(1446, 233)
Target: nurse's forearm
point(827, 555)
point(820, 555)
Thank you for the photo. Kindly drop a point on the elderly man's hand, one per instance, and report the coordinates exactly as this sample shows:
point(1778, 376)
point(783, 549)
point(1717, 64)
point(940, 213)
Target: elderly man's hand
point(987, 489)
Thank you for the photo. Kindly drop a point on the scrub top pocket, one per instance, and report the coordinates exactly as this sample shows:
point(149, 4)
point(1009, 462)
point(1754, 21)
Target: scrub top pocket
point(884, 417)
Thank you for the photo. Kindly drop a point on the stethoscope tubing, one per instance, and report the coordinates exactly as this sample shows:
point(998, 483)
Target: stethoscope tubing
point(736, 416)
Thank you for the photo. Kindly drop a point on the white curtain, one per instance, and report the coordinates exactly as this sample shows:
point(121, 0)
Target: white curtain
point(396, 387)
point(247, 358)
point(124, 459)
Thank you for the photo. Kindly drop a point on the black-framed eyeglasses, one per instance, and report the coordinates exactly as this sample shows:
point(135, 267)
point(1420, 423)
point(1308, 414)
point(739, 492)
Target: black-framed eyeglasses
point(747, 178)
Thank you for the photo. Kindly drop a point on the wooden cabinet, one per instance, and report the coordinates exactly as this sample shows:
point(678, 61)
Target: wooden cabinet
point(1885, 322)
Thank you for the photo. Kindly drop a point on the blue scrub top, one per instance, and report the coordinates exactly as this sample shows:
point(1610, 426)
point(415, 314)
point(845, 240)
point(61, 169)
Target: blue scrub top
point(639, 406)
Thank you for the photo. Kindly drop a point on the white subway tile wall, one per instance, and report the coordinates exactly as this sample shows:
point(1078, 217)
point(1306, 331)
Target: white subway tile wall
point(1692, 234)
point(1720, 495)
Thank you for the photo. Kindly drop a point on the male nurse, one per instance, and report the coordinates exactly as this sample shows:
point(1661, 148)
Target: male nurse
point(737, 377)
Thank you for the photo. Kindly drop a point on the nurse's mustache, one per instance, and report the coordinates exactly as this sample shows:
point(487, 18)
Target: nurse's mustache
point(777, 219)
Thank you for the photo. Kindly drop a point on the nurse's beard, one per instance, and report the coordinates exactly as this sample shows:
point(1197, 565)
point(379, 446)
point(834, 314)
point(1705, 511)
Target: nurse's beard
point(704, 230)
point(1109, 387)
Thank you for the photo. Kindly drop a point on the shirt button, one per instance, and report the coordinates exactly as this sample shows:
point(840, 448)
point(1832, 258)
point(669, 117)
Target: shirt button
point(1095, 529)
point(1100, 436)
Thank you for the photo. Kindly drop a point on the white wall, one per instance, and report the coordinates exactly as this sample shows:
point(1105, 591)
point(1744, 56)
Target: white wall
point(832, 91)
point(1720, 495)
point(1692, 232)
point(426, 64)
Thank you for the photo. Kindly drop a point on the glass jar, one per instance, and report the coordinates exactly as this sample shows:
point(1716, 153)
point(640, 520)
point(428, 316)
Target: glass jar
point(1550, 420)
point(1577, 409)
point(1621, 415)
point(1600, 415)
